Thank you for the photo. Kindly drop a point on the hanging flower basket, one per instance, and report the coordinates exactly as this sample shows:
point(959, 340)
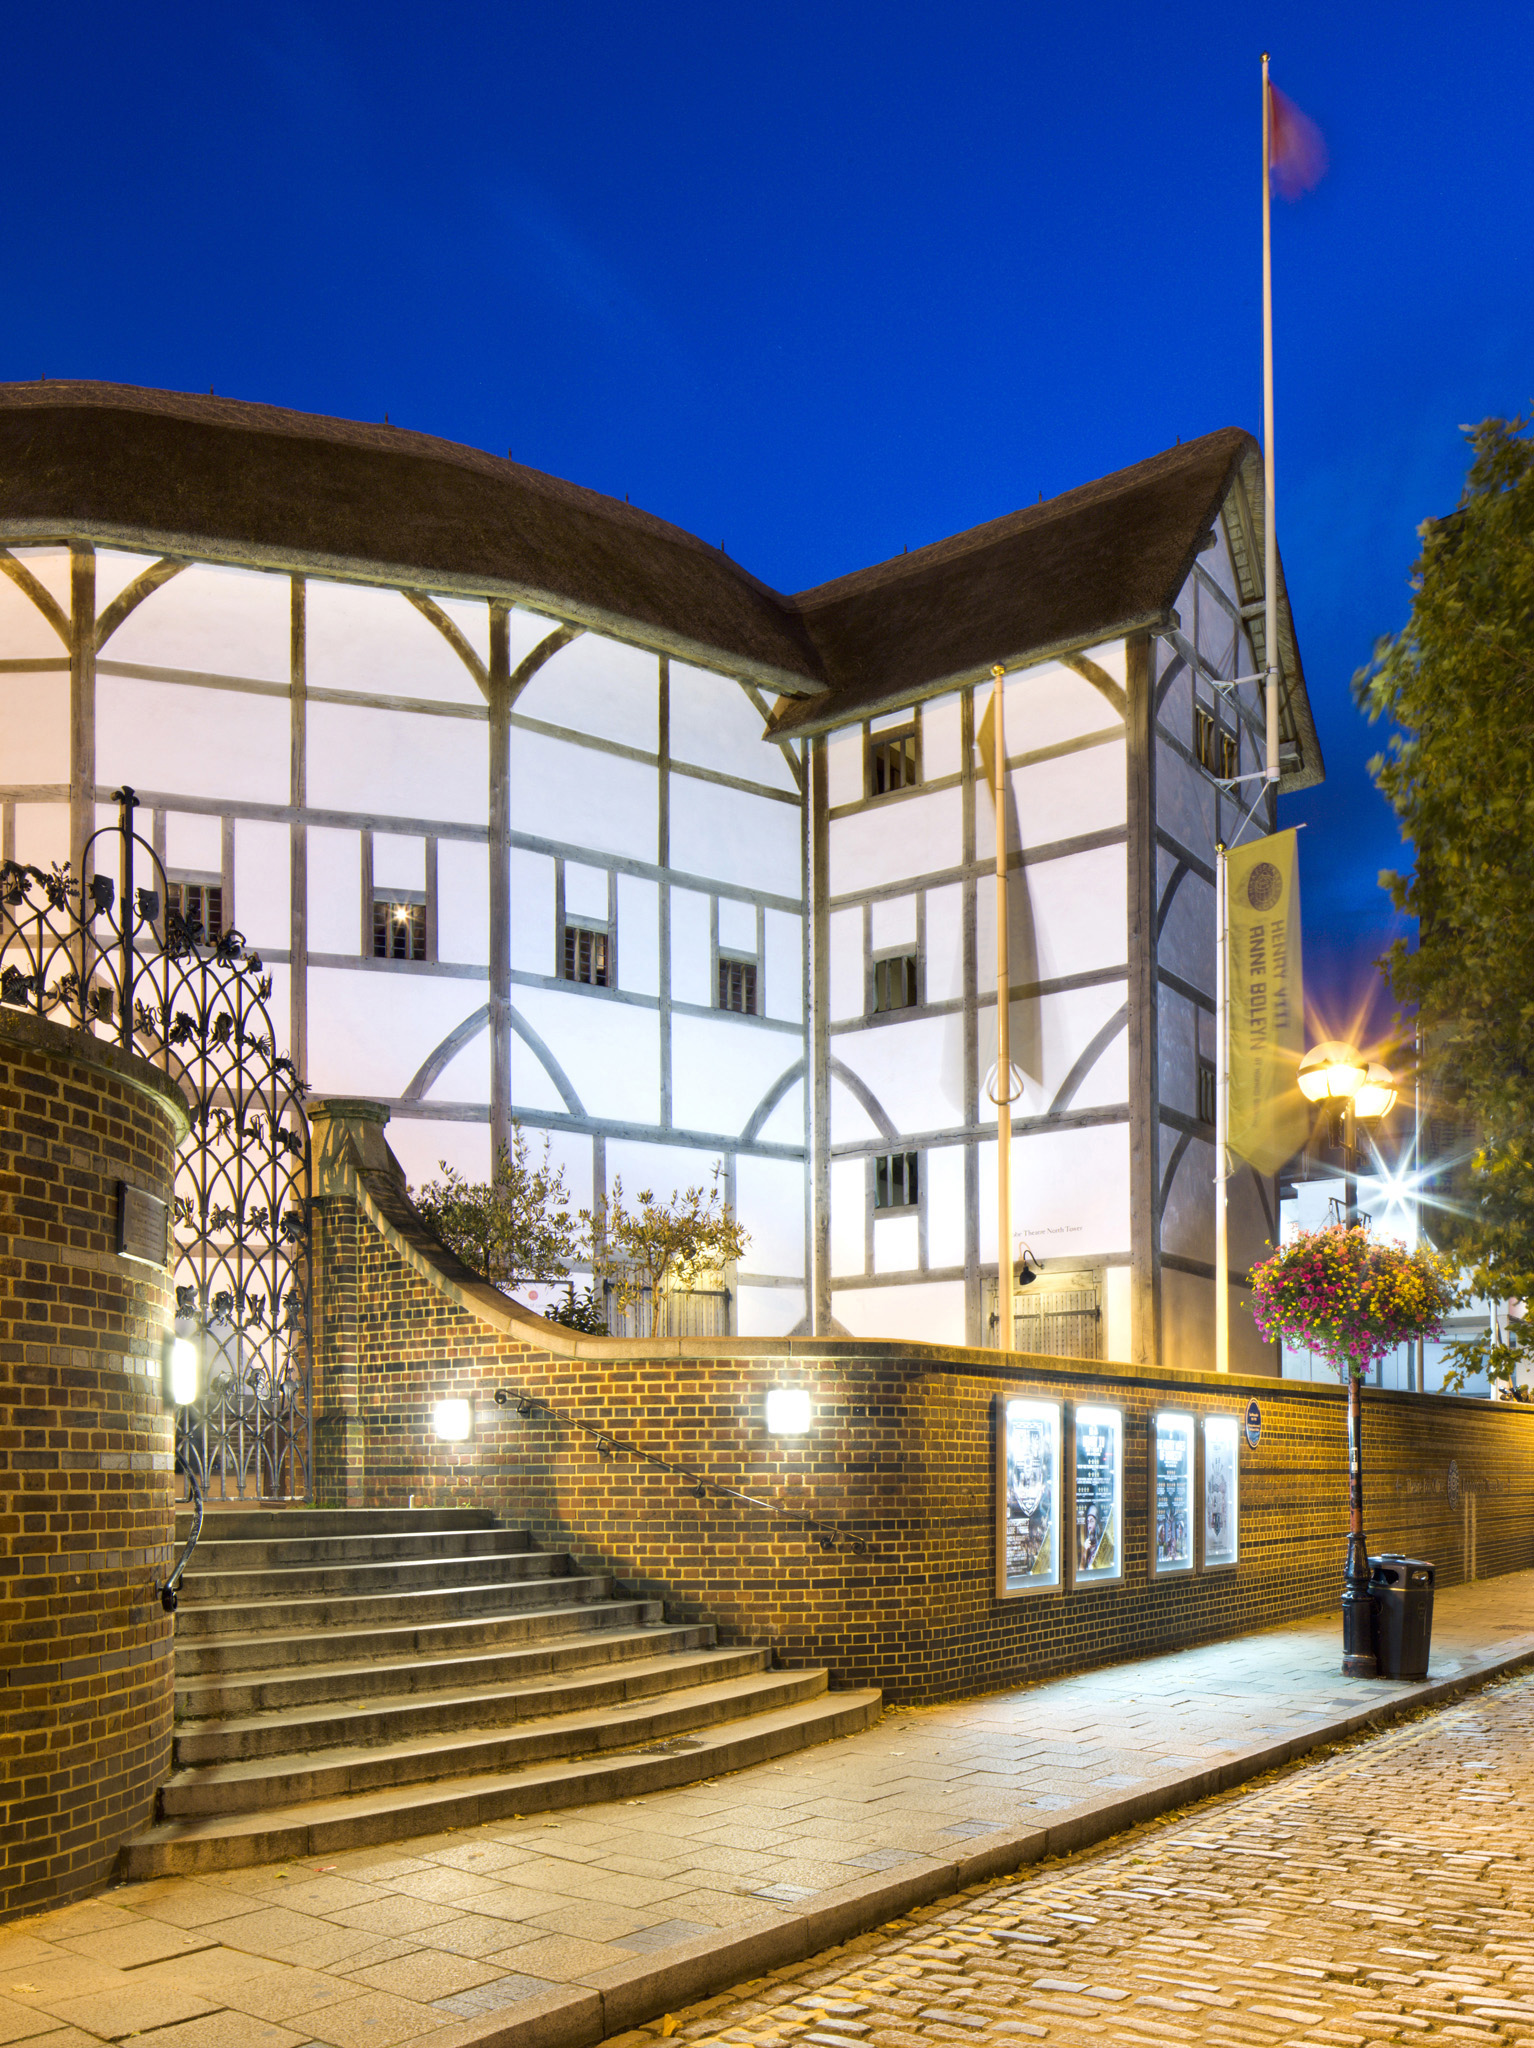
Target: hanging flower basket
point(1350, 1296)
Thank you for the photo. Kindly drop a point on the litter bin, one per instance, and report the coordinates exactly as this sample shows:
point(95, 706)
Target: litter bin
point(1402, 1591)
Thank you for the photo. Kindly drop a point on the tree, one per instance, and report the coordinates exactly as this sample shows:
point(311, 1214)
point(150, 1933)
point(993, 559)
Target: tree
point(663, 1251)
point(1459, 773)
point(514, 1228)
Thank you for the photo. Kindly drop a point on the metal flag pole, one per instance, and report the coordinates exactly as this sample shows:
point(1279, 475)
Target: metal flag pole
point(1006, 1328)
point(1270, 529)
point(1221, 1110)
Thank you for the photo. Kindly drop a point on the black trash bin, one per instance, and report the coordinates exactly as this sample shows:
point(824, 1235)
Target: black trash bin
point(1402, 1591)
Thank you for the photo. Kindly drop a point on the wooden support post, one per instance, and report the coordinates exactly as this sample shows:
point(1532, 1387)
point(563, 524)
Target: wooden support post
point(818, 1078)
point(1144, 998)
point(500, 882)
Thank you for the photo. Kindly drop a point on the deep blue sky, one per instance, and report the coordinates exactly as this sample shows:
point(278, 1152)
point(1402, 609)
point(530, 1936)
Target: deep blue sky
point(818, 281)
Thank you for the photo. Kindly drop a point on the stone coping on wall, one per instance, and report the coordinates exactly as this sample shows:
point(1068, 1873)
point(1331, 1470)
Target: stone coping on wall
point(65, 1042)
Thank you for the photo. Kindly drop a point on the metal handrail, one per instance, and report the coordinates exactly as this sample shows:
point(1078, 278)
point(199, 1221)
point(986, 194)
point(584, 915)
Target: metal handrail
point(827, 1534)
point(170, 1592)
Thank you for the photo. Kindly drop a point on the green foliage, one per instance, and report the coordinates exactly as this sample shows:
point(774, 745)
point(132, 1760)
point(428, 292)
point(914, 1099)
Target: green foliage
point(1499, 1358)
point(1458, 683)
point(588, 1314)
point(513, 1229)
point(665, 1250)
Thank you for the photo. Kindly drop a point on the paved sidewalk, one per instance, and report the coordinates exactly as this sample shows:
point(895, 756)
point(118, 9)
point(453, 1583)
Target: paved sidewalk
point(553, 1931)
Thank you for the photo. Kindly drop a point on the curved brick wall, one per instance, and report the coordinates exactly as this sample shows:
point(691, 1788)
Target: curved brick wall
point(86, 1507)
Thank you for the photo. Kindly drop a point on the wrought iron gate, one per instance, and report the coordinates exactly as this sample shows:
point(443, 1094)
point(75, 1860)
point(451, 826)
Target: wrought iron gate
point(123, 962)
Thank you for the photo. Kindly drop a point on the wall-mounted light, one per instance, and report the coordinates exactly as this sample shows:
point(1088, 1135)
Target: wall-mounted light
point(788, 1411)
point(180, 1370)
point(453, 1421)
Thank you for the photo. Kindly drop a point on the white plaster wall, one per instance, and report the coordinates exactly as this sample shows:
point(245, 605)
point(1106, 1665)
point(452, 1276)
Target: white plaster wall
point(768, 1311)
point(898, 837)
point(263, 903)
point(463, 902)
point(925, 1311)
point(34, 716)
point(1070, 1192)
point(42, 834)
point(897, 1244)
point(50, 565)
point(397, 763)
point(942, 750)
point(850, 1122)
point(335, 892)
point(690, 958)
point(534, 942)
point(730, 836)
point(721, 1067)
point(667, 1170)
point(844, 766)
point(784, 966)
point(399, 860)
point(167, 736)
point(849, 1210)
point(594, 685)
point(1048, 1035)
point(714, 724)
point(1070, 915)
point(616, 807)
point(638, 935)
point(847, 988)
point(610, 1050)
point(376, 642)
point(769, 1197)
point(1118, 1341)
point(193, 839)
point(914, 1067)
point(24, 632)
point(785, 1126)
point(211, 620)
point(421, 1144)
point(466, 1077)
point(944, 1165)
point(370, 1031)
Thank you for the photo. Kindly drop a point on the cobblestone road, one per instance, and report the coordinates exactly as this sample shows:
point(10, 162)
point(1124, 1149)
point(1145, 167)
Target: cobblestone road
point(1382, 1894)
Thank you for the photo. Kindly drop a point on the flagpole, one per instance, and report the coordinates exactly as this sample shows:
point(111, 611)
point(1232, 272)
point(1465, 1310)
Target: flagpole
point(1269, 515)
point(1006, 1329)
point(1221, 1110)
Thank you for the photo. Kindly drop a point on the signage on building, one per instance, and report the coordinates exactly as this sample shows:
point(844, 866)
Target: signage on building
point(143, 1226)
point(1253, 1424)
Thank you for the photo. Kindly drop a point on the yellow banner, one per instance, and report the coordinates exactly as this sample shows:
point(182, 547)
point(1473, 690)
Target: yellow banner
point(1268, 1118)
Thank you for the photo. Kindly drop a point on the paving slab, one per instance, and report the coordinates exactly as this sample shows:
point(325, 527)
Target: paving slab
point(553, 1933)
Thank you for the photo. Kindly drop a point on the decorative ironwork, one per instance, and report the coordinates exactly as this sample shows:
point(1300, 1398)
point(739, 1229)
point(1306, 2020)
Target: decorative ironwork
point(118, 960)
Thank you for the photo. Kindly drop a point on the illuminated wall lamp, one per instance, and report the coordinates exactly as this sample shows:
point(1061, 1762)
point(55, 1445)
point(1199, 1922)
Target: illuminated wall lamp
point(788, 1411)
point(453, 1421)
point(180, 1370)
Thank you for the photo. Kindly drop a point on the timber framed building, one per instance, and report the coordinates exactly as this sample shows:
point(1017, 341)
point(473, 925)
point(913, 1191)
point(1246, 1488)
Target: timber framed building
point(540, 808)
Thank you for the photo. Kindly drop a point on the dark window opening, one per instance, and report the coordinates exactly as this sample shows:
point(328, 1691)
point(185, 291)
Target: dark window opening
point(1206, 1091)
point(399, 930)
point(585, 955)
point(895, 982)
point(1217, 750)
point(199, 905)
point(737, 985)
point(892, 761)
point(896, 1182)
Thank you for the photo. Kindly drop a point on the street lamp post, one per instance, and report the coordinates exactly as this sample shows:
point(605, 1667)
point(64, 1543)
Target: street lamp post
point(1356, 1092)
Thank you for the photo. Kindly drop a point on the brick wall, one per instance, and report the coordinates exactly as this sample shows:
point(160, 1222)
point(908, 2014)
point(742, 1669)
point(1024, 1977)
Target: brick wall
point(86, 1514)
point(902, 1453)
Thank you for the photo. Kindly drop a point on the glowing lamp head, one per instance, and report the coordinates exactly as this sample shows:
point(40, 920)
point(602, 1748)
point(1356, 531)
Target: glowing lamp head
point(788, 1411)
point(453, 1421)
point(181, 1368)
point(1376, 1098)
point(1332, 1071)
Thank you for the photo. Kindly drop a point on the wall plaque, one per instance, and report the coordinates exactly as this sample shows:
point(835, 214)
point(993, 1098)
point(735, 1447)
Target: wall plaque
point(143, 1226)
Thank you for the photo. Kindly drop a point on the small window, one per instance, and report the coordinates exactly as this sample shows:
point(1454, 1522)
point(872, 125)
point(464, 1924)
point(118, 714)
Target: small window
point(892, 762)
point(199, 905)
point(895, 982)
point(1206, 1098)
point(1217, 750)
point(585, 956)
point(737, 985)
point(399, 929)
point(896, 1183)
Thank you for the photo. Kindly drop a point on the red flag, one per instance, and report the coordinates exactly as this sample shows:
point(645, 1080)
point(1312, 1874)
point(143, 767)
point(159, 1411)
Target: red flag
point(1296, 147)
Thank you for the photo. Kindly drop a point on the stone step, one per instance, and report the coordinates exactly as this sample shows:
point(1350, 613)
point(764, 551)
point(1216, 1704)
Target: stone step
point(297, 1778)
point(277, 1691)
point(232, 1655)
point(320, 1828)
point(210, 1585)
point(393, 1717)
point(214, 1553)
point(197, 1619)
point(236, 1523)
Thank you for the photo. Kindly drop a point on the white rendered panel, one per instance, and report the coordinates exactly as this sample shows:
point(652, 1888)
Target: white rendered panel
point(34, 716)
point(1184, 797)
point(169, 736)
point(884, 721)
point(897, 1244)
point(600, 687)
point(849, 1211)
point(732, 837)
point(24, 632)
point(638, 935)
point(610, 1050)
point(376, 642)
point(737, 925)
point(213, 620)
point(847, 988)
point(193, 840)
point(901, 836)
point(1051, 703)
point(941, 750)
point(1066, 916)
point(893, 923)
point(1049, 1035)
point(945, 945)
point(115, 570)
point(944, 1168)
point(263, 904)
point(850, 1122)
point(844, 766)
point(768, 1311)
point(534, 945)
point(666, 1170)
point(1117, 1340)
point(1186, 945)
point(915, 1068)
point(785, 1126)
point(335, 895)
point(1070, 1192)
point(921, 1311)
point(585, 891)
point(466, 1077)
point(399, 861)
point(42, 834)
point(397, 763)
point(370, 1032)
point(721, 1067)
point(533, 1087)
point(714, 724)
point(1187, 1220)
point(575, 795)
point(784, 966)
point(1058, 799)
point(463, 902)
point(51, 568)
point(769, 1195)
point(422, 1144)
point(690, 957)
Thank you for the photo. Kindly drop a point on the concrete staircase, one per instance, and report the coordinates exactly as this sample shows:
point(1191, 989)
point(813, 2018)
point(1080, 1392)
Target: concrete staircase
point(354, 1676)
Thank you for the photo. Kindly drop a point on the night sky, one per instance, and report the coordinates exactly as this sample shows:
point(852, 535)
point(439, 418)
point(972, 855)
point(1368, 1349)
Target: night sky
point(819, 281)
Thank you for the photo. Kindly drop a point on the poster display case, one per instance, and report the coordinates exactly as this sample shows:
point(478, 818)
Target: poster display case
point(1222, 1500)
point(1172, 1505)
point(1028, 1547)
point(1098, 1495)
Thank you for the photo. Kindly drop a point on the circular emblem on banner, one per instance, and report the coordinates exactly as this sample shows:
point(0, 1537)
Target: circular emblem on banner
point(1264, 886)
point(1253, 1424)
point(1453, 1486)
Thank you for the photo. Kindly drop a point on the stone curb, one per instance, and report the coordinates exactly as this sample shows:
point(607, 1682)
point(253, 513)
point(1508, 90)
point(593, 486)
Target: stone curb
point(627, 1994)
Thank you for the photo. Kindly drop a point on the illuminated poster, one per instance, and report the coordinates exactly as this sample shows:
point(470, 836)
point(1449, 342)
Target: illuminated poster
point(1099, 1493)
point(1222, 1506)
point(1172, 1535)
point(1029, 1497)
